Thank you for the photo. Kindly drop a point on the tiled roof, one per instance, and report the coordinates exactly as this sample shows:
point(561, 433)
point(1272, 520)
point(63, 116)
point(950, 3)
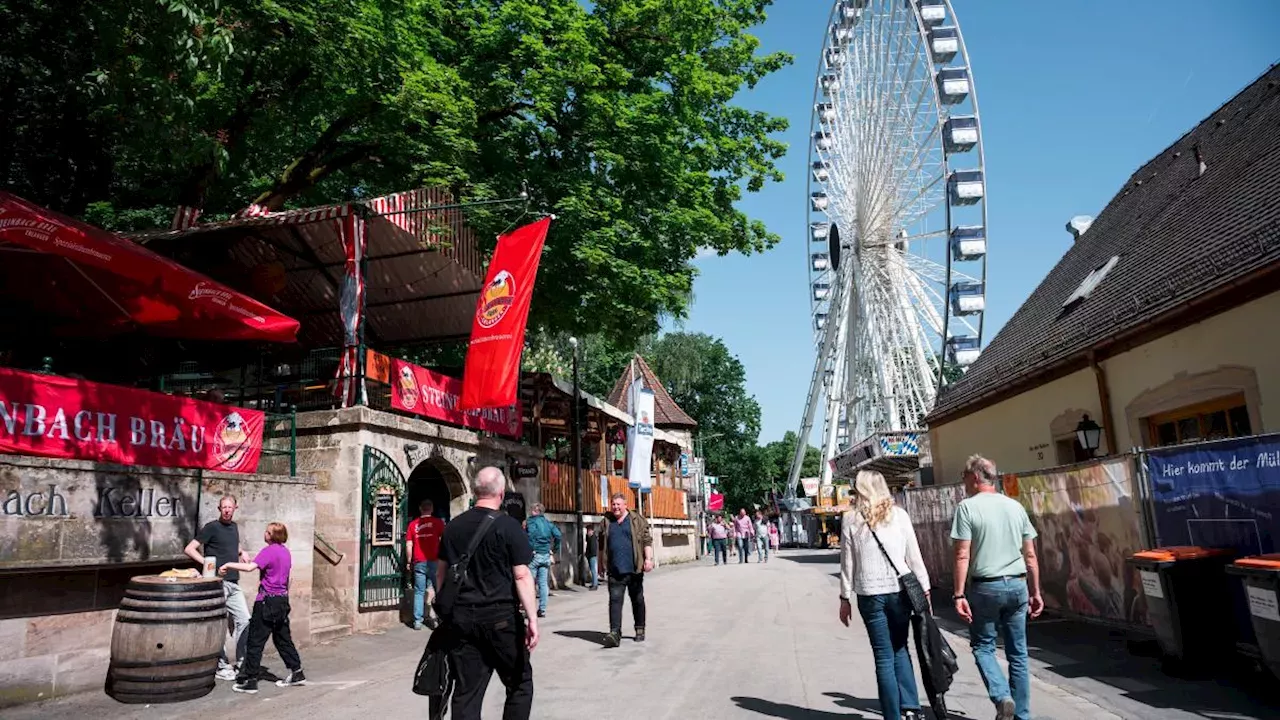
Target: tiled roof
point(1180, 232)
point(666, 412)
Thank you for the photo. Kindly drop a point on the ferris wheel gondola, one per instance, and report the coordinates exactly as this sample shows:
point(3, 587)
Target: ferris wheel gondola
point(897, 227)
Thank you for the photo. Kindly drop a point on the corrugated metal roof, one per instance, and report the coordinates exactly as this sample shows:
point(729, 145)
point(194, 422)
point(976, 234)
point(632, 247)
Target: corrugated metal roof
point(424, 269)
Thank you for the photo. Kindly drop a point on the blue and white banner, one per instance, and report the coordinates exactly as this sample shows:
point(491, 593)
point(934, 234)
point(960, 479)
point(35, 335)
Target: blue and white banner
point(640, 438)
point(1218, 494)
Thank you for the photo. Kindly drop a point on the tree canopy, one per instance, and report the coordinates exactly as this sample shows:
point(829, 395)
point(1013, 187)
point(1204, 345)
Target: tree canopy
point(617, 116)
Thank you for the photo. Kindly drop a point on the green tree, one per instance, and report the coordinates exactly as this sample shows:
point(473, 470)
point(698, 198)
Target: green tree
point(709, 382)
point(618, 116)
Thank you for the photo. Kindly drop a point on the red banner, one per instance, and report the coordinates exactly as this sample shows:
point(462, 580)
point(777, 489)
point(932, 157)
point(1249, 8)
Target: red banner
point(433, 395)
point(497, 333)
point(59, 417)
point(715, 502)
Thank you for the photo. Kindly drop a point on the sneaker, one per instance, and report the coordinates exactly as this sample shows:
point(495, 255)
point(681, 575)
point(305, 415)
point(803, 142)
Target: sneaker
point(613, 639)
point(639, 634)
point(911, 715)
point(226, 673)
point(249, 687)
point(296, 677)
point(1005, 709)
point(417, 626)
point(542, 613)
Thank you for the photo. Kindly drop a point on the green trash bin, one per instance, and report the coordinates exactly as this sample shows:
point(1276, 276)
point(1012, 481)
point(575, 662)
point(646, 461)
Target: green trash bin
point(1189, 601)
point(1260, 576)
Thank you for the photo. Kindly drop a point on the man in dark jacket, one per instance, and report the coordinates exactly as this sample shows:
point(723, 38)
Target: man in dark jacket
point(626, 550)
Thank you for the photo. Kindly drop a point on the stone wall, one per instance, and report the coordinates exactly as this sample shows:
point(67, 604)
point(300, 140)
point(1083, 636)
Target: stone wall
point(331, 447)
point(59, 591)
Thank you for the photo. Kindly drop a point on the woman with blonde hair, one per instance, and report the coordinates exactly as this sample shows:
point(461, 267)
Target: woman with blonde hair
point(877, 546)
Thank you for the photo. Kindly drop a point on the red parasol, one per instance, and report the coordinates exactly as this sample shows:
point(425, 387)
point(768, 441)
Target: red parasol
point(95, 282)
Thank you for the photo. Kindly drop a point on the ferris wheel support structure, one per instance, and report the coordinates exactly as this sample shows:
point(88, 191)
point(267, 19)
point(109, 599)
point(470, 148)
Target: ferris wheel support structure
point(898, 227)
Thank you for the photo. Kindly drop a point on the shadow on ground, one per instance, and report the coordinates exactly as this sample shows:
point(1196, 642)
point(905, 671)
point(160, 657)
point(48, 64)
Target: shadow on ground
point(1078, 652)
point(813, 557)
point(862, 707)
point(592, 636)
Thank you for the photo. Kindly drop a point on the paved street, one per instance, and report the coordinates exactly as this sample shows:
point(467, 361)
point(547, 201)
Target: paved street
point(750, 642)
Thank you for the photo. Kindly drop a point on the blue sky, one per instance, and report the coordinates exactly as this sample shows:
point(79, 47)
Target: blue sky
point(1075, 96)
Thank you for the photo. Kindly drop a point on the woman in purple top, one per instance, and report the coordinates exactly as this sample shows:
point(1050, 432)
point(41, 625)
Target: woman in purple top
point(270, 612)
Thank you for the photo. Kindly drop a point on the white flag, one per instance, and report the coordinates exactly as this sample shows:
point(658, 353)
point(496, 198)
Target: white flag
point(640, 438)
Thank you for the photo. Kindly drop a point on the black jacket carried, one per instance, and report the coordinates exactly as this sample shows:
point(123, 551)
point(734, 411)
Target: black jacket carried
point(937, 661)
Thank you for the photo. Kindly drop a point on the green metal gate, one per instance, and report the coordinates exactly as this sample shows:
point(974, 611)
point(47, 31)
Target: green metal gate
point(382, 573)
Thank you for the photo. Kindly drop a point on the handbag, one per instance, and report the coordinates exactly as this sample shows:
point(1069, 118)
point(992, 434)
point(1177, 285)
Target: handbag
point(432, 677)
point(908, 583)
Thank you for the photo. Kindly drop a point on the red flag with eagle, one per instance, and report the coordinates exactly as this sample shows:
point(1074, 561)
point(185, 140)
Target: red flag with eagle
point(497, 332)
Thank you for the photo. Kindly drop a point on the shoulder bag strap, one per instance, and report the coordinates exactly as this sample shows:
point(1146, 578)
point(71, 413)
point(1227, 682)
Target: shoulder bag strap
point(879, 544)
point(480, 533)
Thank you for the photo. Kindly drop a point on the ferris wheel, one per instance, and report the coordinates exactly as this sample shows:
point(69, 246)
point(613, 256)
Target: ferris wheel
point(897, 224)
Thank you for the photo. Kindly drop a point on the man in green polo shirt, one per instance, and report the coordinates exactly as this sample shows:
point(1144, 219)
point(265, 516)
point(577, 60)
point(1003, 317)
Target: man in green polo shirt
point(995, 551)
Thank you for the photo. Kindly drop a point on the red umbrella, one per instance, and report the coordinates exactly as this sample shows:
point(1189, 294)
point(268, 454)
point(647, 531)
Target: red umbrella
point(95, 282)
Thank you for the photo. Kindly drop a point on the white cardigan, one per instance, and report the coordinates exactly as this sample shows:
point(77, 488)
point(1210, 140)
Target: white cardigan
point(863, 569)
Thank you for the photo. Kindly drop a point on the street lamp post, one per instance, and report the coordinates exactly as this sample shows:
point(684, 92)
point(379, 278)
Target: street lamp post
point(577, 457)
point(1089, 435)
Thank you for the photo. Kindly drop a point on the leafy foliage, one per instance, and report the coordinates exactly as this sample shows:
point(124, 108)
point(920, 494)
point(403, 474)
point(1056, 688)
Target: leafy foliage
point(617, 116)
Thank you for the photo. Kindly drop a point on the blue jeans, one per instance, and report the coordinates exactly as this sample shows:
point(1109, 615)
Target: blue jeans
point(888, 621)
point(424, 576)
point(720, 547)
point(593, 567)
point(541, 567)
point(1000, 608)
point(744, 549)
point(762, 548)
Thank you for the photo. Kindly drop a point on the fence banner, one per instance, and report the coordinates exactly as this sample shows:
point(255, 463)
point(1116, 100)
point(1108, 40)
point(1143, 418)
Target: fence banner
point(433, 395)
point(1218, 494)
point(1088, 520)
point(931, 509)
point(60, 417)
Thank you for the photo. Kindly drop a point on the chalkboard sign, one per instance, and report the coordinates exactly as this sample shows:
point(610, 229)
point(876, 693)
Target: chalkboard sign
point(384, 519)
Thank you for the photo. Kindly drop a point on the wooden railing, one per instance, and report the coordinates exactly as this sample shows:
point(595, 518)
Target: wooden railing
point(556, 481)
point(663, 502)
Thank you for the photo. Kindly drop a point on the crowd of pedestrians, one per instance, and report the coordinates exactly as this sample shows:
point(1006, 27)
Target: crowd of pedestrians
point(499, 568)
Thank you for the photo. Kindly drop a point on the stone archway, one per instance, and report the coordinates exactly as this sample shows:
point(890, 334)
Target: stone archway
point(435, 479)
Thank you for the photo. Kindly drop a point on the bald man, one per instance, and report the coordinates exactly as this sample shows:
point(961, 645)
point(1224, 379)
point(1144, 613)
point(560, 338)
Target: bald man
point(492, 633)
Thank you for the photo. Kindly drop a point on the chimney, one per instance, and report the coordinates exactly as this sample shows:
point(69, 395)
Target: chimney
point(1078, 225)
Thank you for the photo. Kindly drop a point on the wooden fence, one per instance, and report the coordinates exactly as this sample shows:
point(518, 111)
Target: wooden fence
point(556, 482)
point(663, 502)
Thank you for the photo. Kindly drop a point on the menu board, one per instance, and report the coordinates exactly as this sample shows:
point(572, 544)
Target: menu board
point(384, 519)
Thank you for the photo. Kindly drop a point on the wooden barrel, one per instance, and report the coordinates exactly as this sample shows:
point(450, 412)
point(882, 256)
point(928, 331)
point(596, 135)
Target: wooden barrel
point(167, 638)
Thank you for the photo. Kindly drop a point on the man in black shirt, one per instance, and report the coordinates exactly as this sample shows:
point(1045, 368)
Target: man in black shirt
point(490, 633)
point(626, 543)
point(221, 539)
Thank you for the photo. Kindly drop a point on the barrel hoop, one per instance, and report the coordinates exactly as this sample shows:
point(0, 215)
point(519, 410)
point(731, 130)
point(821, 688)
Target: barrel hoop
point(175, 588)
point(167, 621)
point(164, 663)
point(159, 696)
point(206, 595)
point(165, 679)
point(176, 610)
point(210, 603)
